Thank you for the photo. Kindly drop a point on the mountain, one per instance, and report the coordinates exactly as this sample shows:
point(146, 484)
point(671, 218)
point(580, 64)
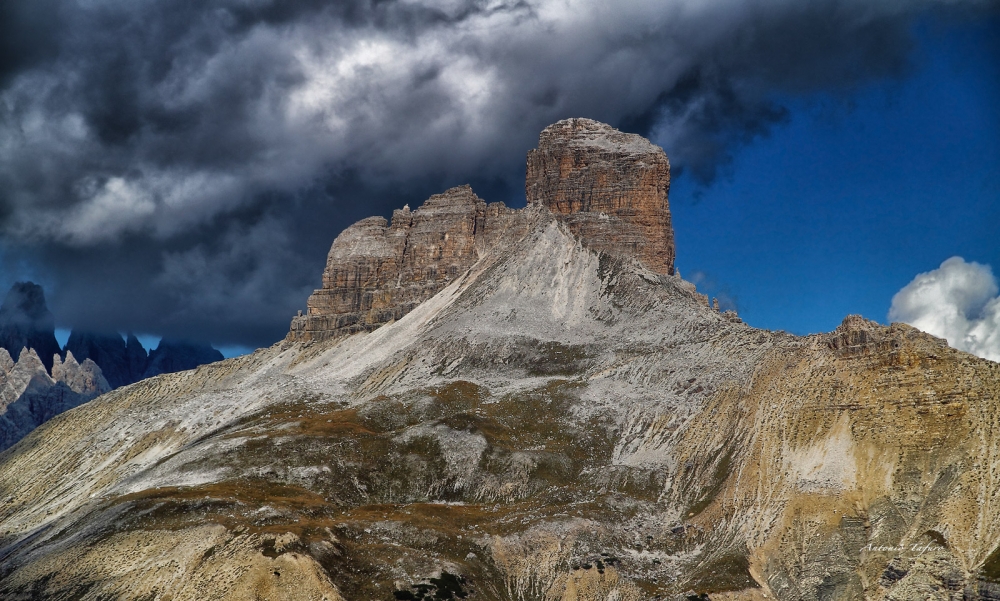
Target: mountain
point(489, 403)
point(125, 361)
point(91, 364)
point(171, 356)
point(106, 350)
point(26, 322)
point(29, 396)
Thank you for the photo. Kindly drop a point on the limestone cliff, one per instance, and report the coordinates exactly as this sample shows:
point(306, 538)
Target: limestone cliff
point(610, 188)
point(377, 272)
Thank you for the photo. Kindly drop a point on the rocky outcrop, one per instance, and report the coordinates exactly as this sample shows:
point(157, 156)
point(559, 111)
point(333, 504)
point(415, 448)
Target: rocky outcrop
point(29, 396)
point(82, 378)
point(105, 349)
point(378, 271)
point(25, 322)
point(608, 186)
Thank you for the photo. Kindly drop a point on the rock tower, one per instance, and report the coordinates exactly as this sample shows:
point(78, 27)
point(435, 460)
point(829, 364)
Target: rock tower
point(608, 187)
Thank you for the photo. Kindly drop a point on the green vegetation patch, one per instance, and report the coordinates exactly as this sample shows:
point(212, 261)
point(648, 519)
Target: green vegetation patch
point(729, 572)
point(990, 571)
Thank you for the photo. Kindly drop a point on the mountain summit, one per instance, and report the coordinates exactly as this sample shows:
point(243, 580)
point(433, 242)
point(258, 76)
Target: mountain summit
point(498, 404)
point(26, 322)
point(608, 187)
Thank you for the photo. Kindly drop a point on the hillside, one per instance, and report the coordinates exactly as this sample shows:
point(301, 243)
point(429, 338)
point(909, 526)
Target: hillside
point(490, 403)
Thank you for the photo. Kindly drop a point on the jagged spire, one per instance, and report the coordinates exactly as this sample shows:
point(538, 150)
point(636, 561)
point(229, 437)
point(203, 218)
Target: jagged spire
point(25, 321)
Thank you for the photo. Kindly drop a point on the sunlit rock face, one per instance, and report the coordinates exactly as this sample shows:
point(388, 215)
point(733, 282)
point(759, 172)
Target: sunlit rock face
point(377, 271)
point(556, 422)
point(608, 186)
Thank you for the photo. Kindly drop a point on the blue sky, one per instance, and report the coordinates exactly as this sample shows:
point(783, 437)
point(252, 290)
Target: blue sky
point(839, 208)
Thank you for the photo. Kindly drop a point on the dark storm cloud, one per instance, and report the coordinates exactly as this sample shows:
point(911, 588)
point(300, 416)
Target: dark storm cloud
point(180, 167)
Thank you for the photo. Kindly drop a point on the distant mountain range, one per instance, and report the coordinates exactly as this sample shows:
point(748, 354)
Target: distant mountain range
point(46, 380)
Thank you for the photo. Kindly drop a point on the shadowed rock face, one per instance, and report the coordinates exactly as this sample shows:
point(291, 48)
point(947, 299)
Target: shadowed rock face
point(125, 362)
point(106, 350)
point(608, 186)
point(25, 322)
point(175, 355)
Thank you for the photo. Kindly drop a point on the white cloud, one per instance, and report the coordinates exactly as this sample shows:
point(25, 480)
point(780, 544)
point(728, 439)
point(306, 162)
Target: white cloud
point(957, 301)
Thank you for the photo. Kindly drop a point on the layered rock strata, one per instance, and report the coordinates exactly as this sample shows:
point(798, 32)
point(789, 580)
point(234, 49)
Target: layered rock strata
point(378, 271)
point(608, 187)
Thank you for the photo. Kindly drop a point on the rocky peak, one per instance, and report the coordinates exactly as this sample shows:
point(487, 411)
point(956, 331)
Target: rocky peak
point(15, 380)
point(83, 378)
point(6, 363)
point(105, 349)
point(29, 396)
point(177, 355)
point(609, 187)
point(136, 358)
point(25, 321)
point(378, 271)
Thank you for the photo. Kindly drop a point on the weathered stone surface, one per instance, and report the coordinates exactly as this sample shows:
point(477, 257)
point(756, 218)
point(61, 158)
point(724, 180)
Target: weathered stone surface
point(16, 379)
point(6, 363)
point(25, 321)
point(29, 396)
point(610, 187)
point(104, 349)
point(83, 378)
point(377, 272)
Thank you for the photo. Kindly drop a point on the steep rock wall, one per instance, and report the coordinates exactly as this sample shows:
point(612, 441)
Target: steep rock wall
point(610, 189)
point(377, 272)
point(608, 186)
